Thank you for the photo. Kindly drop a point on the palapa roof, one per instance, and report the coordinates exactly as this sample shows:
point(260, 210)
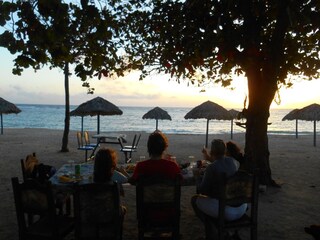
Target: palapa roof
point(292, 115)
point(309, 113)
point(157, 113)
point(234, 113)
point(8, 107)
point(96, 106)
point(209, 110)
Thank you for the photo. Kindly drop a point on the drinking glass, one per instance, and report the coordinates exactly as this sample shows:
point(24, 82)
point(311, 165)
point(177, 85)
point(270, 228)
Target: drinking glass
point(142, 158)
point(71, 166)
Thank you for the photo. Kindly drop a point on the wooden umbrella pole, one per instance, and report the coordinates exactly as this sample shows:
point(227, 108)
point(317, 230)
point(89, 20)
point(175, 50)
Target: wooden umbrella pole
point(314, 132)
point(98, 127)
point(81, 124)
point(1, 124)
point(232, 129)
point(207, 133)
point(296, 128)
point(157, 124)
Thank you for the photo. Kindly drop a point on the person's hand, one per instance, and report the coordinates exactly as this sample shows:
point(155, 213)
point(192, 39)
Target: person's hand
point(204, 150)
point(205, 153)
point(122, 170)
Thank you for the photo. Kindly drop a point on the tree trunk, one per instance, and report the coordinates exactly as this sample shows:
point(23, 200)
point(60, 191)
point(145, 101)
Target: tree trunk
point(261, 93)
point(65, 137)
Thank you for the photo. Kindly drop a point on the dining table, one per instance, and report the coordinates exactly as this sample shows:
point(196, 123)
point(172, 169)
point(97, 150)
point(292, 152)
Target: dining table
point(65, 177)
point(108, 138)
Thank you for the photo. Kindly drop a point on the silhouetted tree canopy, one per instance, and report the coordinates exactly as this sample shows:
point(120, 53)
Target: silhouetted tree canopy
point(59, 34)
point(270, 42)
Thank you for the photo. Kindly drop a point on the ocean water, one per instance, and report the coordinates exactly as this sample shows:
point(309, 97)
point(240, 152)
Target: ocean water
point(52, 117)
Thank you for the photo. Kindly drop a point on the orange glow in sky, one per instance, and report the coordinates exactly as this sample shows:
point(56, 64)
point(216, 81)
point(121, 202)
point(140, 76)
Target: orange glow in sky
point(47, 87)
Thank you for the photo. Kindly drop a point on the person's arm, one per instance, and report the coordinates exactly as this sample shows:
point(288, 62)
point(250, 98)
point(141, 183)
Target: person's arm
point(206, 154)
point(137, 170)
point(119, 177)
point(206, 184)
point(123, 171)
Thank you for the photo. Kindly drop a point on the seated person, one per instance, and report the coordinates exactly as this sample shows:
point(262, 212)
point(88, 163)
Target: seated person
point(104, 169)
point(206, 203)
point(36, 170)
point(106, 160)
point(156, 165)
point(234, 151)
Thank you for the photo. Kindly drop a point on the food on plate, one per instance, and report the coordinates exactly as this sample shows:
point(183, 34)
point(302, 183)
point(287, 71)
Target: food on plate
point(130, 167)
point(65, 178)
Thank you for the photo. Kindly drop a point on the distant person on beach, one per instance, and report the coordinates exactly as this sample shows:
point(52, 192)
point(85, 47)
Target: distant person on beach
point(157, 164)
point(206, 202)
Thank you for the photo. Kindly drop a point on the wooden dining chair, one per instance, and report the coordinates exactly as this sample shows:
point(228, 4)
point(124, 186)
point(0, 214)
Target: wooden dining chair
point(158, 207)
point(98, 213)
point(234, 191)
point(34, 199)
point(62, 200)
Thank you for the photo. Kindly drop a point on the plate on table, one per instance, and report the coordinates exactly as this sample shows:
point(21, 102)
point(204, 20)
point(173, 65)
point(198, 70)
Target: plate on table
point(130, 167)
point(69, 178)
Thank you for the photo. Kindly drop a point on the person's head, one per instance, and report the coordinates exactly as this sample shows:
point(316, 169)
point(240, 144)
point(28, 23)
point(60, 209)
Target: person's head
point(157, 143)
point(218, 148)
point(104, 165)
point(30, 162)
point(233, 150)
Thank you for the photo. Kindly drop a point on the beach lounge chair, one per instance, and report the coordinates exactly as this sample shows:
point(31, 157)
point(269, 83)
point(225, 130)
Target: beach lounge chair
point(34, 199)
point(158, 207)
point(98, 213)
point(83, 147)
point(240, 188)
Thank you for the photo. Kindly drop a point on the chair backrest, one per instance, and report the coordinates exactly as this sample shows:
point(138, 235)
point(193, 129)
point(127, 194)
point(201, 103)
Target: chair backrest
point(138, 140)
point(23, 169)
point(158, 204)
point(86, 137)
point(240, 188)
point(79, 138)
point(32, 199)
point(98, 214)
point(134, 141)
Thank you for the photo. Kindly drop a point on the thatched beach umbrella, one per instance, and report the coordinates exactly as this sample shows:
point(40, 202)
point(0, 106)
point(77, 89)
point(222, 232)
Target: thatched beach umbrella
point(96, 107)
point(310, 113)
point(157, 113)
point(209, 110)
point(7, 108)
point(292, 115)
point(234, 114)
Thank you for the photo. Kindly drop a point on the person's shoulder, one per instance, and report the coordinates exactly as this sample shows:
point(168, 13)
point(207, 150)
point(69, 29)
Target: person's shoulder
point(228, 159)
point(143, 163)
point(169, 162)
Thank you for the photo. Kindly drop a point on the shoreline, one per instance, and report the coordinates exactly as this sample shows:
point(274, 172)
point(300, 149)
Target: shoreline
point(271, 132)
point(283, 212)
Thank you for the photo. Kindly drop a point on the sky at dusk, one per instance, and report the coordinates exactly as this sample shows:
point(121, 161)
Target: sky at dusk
point(47, 87)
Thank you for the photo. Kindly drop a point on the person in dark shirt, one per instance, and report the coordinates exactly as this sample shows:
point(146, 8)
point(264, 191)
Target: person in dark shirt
point(206, 202)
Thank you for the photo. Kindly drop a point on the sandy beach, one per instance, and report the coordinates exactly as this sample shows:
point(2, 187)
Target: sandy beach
point(283, 212)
